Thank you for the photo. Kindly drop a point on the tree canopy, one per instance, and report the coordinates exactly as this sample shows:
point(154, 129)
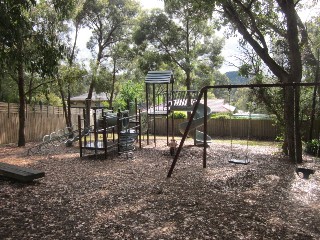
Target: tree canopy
point(37, 54)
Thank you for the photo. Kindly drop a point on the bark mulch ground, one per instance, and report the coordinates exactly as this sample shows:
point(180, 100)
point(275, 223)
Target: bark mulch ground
point(120, 198)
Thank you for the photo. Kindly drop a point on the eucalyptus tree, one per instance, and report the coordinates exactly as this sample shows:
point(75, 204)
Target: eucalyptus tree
point(110, 22)
point(26, 44)
point(273, 27)
point(121, 56)
point(183, 33)
point(71, 75)
point(70, 80)
point(15, 27)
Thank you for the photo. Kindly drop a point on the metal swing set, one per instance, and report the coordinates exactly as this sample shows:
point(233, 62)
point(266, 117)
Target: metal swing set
point(204, 95)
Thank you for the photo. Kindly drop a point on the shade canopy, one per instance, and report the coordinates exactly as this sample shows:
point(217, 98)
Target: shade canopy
point(159, 77)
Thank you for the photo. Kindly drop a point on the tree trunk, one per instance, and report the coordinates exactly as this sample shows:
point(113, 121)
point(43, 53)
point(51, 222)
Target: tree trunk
point(30, 88)
point(188, 84)
point(295, 75)
point(292, 126)
point(88, 103)
point(289, 121)
point(64, 107)
point(89, 97)
point(69, 121)
point(21, 135)
point(113, 84)
point(285, 145)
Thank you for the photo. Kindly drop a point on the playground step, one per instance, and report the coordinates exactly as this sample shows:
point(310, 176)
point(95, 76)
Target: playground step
point(20, 173)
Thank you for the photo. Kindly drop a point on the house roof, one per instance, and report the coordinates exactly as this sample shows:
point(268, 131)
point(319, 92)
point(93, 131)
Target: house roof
point(218, 106)
point(95, 97)
point(159, 77)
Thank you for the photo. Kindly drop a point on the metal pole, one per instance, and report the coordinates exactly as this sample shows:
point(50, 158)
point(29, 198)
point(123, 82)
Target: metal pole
point(80, 134)
point(205, 119)
point(105, 136)
point(154, 114)
point(147, 105)
point(167, 113)
point(140, 128)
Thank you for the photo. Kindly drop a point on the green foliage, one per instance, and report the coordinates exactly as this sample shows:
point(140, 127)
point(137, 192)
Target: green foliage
point(128, 93)
point(220, 116)
point(220, 79)
point(312, 147)
point(8, 89)
point(73, 78)
point(184, 36)
point(120, 103)
point(179, 115)
point(236, 78)
point(110, 23)
point(279, 138)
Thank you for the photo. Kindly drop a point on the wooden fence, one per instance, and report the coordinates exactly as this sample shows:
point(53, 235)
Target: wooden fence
point(259, 129)
point(37, 125)
point(40, 121)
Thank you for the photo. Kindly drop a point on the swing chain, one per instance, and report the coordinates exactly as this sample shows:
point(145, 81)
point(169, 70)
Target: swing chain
point(230, 122)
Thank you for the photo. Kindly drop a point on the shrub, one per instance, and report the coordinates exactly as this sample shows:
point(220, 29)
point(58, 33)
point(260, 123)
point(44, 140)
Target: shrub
point(312, 147)
point(179, 115)
point(220, 116)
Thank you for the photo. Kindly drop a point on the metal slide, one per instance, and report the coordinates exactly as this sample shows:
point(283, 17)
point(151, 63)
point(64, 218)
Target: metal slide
point(198, 119)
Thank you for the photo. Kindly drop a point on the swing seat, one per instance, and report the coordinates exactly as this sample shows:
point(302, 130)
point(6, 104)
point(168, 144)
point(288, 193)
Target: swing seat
point(306, 172)
point(239, 161)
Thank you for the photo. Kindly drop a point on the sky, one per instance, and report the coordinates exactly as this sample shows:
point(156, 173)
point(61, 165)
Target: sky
point(148, 4)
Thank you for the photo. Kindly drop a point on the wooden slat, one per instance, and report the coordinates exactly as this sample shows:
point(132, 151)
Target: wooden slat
point(20, 173)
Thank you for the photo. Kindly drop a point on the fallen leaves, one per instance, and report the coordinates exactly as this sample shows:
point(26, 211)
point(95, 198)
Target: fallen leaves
point(124, 198)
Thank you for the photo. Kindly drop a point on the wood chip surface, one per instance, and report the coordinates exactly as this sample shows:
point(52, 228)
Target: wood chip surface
point(123, 198)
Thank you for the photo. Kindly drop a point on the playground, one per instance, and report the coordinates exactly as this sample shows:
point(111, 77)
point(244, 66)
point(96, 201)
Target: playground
point(121, 198)
point(116, 179)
